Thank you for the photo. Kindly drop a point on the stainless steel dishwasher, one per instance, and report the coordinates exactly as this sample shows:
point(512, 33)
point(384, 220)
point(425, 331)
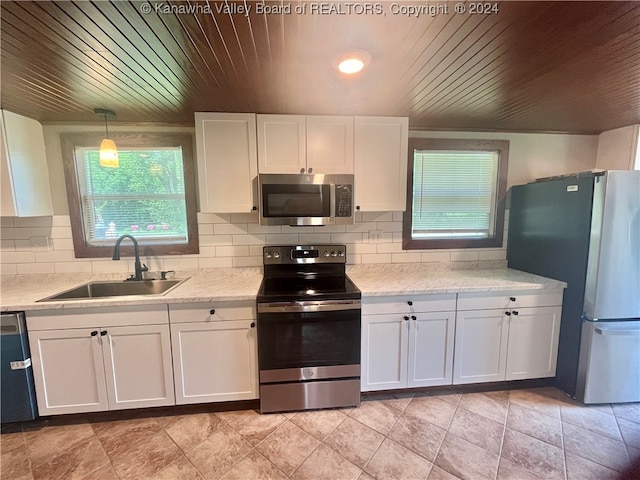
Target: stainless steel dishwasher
point(17, 392)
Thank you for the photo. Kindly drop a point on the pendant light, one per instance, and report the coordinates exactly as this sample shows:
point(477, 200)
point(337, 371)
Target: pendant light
point(108, 150)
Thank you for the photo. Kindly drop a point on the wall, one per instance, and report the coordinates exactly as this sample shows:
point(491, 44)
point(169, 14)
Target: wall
point(618, 149)
point(43, 244)
point(536, 155)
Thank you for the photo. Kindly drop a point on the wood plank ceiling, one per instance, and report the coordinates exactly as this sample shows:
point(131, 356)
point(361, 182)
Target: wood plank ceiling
point(532, 66)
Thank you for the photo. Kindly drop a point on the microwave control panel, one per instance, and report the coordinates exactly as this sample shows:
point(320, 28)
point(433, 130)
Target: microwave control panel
point(344, 201)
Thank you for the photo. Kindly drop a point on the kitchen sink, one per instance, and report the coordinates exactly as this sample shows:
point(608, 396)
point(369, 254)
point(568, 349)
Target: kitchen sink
point(115, 289)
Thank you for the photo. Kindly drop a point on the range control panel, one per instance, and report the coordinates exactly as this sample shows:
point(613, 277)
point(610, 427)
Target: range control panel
point(296, 254)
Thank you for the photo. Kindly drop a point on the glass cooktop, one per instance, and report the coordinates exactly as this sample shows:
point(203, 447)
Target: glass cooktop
point(286, 289)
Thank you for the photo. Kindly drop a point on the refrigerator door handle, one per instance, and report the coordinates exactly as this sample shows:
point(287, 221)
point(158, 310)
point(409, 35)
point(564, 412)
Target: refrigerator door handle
point(626, 333)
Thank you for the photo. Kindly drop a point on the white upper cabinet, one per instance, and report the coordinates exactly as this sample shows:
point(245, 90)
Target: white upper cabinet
point(282, 143)
point(381, 163)
point(26, 191)
point(330, 144)
point(305, 144)
point(227, 163)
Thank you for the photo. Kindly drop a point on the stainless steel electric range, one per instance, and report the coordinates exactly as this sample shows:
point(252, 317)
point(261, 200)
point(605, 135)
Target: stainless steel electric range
point(308, 330)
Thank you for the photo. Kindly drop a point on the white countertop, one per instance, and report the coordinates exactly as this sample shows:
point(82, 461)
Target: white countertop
point(206, 285)
point(412, 279)
point(227, 284)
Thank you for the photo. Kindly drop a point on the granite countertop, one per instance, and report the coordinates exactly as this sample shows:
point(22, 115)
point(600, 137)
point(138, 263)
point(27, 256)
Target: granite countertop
point(232, 284)
point(413, 279)
point(206, 285)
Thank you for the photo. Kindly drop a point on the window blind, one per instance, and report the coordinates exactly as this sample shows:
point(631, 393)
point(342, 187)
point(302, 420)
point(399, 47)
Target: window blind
point(144, 196)
point(454, 194)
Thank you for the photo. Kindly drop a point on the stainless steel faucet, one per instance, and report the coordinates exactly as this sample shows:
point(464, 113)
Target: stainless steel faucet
point(139, 268)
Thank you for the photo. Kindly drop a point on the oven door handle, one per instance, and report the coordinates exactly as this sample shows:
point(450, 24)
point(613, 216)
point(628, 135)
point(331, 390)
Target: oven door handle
point(309, 306)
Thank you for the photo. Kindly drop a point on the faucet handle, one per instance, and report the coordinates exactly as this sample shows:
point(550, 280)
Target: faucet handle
point(163, 274)
point(144, 268)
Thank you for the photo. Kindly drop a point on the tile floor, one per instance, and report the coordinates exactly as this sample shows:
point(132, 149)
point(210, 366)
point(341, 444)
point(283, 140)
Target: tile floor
point(517, 434)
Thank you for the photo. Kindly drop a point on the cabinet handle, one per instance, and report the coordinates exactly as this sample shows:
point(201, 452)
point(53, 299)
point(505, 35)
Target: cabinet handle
point(302, 170)
point(212, 311)
point(309, 170)
point(508, 314)
point(513, 299)
point(253, 324)
point(254, 208)
point(406, 318)
point(413, 317)
point(515, 313)
point(94, 333)
point(357, 207)
point(409, 303)
point(103, 333)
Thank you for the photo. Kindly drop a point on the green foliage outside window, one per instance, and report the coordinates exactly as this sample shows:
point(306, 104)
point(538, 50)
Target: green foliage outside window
point(144, 196)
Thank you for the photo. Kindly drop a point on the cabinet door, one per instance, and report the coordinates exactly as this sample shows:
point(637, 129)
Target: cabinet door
point(68, 371)
point(533, 342)
point(431, 338)
point(227, 165)
point(138, 366)
point(381, 163)
point(281, 143)
point(384, 352)
point(215, 361)
point(26, 190)
point(330, 144)
point(481, 346)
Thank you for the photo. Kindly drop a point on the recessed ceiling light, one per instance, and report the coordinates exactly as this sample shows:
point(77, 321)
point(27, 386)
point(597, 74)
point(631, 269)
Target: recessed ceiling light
point(352, 62)
point(351, 65)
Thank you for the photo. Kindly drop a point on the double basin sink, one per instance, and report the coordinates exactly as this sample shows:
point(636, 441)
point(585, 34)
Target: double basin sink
point(107, 289)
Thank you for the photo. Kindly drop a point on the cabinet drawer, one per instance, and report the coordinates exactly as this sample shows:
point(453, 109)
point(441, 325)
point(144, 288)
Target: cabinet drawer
point(201, 312)
point(96, 317)
point(513, 299)
point(400, 304)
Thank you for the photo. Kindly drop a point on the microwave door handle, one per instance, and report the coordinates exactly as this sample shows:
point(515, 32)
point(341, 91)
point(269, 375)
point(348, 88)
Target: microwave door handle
point(332, 200)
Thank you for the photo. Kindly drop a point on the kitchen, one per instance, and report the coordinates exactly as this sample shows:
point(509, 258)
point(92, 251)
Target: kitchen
point(41, 246)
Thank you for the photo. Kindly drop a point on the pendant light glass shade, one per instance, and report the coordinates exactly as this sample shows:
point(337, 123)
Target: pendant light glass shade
point(109, 154)
point(108, 150)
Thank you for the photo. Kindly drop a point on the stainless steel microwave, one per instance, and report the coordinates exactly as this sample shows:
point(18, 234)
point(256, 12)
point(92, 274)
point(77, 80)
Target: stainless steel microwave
point(301, 199)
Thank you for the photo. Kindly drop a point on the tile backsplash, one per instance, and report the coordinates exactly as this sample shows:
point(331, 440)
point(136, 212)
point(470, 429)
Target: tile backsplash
point(42, 245)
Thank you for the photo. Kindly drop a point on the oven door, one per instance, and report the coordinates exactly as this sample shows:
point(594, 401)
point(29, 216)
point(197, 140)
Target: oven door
point(309, 341)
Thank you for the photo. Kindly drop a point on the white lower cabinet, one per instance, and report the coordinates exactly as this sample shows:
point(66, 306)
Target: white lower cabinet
point(138, 366)
point(68, 369)
point(100, 368)
point(214, 354)
point(407, 342)
point(533, 343)
point(431, 337)
point(517, 341)
point(384, 352)
point(481, 346)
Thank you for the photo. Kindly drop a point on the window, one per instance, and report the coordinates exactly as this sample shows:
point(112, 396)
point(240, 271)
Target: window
point(150, 195)
point(455, 194)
